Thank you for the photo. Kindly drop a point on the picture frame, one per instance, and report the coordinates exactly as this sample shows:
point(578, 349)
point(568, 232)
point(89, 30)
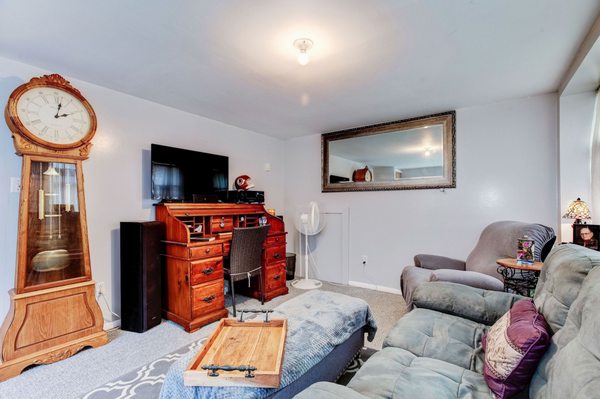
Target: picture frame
point(587, 235)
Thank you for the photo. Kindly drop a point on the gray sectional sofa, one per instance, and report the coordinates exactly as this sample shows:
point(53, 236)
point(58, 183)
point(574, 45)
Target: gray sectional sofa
point(435, 350)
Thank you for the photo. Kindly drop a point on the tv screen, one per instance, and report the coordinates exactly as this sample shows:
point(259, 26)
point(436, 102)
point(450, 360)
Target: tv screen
point(183, 175)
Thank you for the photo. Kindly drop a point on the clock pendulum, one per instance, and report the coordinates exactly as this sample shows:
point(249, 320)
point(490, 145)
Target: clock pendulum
point(54, 312)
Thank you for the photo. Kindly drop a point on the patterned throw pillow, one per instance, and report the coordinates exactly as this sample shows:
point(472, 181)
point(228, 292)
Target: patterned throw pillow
point(513, 347)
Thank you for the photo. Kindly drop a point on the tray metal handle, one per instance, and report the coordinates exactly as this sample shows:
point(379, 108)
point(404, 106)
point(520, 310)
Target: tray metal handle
point(266, 312)
point(214, 368)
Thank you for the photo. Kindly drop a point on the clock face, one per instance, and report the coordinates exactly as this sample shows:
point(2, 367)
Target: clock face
point(368, 175)
point(53, 115)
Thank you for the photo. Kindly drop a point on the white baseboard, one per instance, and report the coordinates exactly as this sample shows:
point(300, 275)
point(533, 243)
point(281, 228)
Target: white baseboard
point(375, 287)
point(109, 325)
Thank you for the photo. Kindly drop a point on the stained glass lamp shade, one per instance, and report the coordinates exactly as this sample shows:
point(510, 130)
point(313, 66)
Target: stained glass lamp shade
point(577, 210)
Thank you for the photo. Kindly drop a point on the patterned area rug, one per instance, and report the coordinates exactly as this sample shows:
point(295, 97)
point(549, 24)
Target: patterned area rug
point(142, 383)
point(345, 378)
point(146, 382)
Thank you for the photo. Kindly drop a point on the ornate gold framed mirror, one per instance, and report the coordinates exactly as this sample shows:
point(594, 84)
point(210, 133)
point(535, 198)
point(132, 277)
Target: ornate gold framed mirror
point(416, 153)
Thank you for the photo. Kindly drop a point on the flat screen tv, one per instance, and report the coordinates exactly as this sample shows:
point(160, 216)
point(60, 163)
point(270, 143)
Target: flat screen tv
point(183, 175)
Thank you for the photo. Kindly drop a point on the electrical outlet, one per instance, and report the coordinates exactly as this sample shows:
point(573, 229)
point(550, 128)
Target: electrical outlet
point(99, 288)
point(364, 260)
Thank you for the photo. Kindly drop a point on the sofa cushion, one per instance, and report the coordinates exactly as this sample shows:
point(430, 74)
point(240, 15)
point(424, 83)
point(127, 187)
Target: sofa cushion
point(481, 306)
point(571, 366)
point(412, 277)
point(560, 281)
point(397, 373)
point(513, 348)
point(328, 390)
point(428, 333)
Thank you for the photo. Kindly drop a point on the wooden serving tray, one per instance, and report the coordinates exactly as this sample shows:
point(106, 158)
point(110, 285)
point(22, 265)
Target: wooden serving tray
point(237, 343)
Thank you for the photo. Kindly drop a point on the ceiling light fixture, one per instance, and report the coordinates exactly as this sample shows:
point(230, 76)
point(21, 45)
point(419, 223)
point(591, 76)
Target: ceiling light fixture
point(303, 45)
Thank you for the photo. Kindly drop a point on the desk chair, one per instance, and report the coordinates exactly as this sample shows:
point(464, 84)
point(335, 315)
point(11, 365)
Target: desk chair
point(245, 257)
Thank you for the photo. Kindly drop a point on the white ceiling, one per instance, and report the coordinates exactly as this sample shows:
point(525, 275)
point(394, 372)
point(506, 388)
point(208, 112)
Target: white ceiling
point(372, 61)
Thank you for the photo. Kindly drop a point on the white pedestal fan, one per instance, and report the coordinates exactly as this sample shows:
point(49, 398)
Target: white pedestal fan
point(308, 222)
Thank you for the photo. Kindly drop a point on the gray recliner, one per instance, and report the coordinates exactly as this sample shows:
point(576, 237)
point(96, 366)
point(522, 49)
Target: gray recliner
point(498, 240)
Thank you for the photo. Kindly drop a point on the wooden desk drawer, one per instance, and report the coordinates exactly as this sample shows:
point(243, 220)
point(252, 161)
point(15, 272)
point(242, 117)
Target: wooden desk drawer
point(226, 247)
point(273, 240)
point(206, 251)
point(207, 298)
point(274, 254)
point(219, 224)
point(206, 270)
point(275, 276)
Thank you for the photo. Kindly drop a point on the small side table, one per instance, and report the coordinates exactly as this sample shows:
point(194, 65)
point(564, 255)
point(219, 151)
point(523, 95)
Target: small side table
point(519, 278)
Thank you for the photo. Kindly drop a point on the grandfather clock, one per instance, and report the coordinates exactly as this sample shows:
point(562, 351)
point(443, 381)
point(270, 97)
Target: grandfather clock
point(53, 312)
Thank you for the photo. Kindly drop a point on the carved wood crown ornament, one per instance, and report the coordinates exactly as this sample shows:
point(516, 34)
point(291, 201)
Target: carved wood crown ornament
point(53, 79)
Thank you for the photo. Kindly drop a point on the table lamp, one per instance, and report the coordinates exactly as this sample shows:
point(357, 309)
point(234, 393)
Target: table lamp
point(577, 210)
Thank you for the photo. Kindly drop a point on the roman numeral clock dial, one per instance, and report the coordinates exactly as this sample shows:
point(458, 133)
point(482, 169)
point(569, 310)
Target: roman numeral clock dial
point(48, 111)
point(53, 116)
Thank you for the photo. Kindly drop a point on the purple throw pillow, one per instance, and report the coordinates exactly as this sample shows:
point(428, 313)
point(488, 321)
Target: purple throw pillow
point(513, 347)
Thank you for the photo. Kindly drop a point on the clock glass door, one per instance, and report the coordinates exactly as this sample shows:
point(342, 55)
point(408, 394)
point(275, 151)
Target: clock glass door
point(54, 232)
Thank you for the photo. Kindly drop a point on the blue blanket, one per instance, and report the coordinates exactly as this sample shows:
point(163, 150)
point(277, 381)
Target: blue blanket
point(317, 322)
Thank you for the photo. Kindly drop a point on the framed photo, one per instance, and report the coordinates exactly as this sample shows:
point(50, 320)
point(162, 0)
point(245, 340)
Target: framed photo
point(586, 235)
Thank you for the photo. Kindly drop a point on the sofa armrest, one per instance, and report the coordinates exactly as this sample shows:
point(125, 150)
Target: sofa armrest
point(328, 390)
point(481, 306)
point(410, 278)
point(473, 279)
point(434, 262)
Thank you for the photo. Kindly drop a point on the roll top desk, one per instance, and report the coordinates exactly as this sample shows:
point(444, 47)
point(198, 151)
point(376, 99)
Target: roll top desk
point(197, 238)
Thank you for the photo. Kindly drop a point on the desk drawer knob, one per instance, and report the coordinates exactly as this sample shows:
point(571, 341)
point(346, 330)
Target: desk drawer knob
point(207, 250)
point(209, 299)
point(277, 255)
point(208, 270)
point(276, 277)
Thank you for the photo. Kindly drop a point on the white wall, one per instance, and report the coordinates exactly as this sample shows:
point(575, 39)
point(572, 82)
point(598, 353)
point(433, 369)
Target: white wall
point(117, 172)
point(576, 119)
point(506, 170)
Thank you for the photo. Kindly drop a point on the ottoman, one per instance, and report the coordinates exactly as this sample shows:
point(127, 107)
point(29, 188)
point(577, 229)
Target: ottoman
point(325, 333)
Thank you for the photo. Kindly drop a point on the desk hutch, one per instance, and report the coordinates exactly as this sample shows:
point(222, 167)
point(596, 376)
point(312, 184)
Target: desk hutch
point(197, 238)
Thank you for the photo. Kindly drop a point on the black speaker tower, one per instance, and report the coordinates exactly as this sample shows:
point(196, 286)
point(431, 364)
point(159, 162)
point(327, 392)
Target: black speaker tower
point(141, 275)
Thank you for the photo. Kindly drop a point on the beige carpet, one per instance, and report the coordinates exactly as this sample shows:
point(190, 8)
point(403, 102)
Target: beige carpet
point(126, 351)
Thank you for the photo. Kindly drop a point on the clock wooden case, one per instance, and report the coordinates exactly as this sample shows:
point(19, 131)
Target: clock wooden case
point(53, 312)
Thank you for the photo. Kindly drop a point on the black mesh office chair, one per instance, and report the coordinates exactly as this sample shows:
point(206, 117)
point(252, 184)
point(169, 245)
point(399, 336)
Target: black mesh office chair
point(245, 257)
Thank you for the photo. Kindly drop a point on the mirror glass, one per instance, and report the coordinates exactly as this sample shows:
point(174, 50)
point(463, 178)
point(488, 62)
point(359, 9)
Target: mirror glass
point(410, 154)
